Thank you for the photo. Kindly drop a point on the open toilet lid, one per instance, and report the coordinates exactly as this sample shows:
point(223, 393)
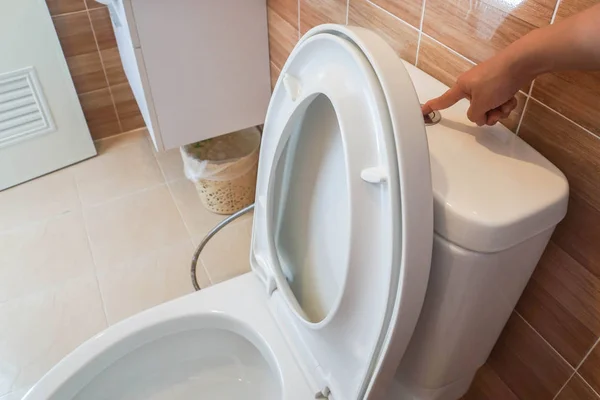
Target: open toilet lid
point(343, 223)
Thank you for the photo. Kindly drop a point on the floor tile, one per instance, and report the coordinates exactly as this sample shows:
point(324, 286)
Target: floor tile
point(171, 164)
point(196, 217)
point(149, 280)
point(122, 230)
point(43, 254)
point(41, 198)
point(122, 170)
point(316, 12)
point(38, 330)
point(227, 254)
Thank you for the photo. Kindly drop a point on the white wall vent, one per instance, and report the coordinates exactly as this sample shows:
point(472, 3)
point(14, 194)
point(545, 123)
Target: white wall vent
point(24, 112)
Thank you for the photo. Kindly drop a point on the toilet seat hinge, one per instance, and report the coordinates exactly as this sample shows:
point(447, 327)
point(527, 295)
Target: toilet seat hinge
point(323, 394)
point(271, 285)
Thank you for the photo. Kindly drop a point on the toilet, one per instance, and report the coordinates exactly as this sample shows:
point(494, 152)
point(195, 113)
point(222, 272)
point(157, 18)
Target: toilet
point(386, 256)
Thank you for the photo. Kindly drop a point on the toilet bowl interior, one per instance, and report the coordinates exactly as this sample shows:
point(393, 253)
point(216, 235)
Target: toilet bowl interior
point(210, 362)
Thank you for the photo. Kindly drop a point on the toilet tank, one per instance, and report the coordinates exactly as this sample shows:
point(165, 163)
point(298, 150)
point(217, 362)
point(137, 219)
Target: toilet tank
point(496, 203)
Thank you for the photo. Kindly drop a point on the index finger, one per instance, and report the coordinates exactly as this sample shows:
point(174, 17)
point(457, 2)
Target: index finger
point(448, 99)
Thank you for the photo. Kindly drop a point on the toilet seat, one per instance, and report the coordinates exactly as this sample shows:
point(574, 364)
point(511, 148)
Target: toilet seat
point(343, 218)
point(342, 235)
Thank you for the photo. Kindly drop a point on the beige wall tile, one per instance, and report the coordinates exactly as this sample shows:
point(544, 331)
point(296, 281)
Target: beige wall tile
point(75, 34)
point(590, 369)
point(282, 38)
point(103, 29)
point(396, 33)
point(317, 12)
point(100, 114)
point(122, 229)
point(39, 199)
point(488, 386)
point(113, 66)
point(44, 327)
point(408, 10)
point(227, 255)
point(577, 389)
point(121, 171)
point(575, 94)
point(43, 254)
point(479, 30)
point(127, 108)
point(149, 280)
point(87, 72)
point(562, 303)
point(527, 364)
point(57, 7)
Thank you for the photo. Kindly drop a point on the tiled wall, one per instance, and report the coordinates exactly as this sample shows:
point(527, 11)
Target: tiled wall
point(549, 348)
point(88, 42)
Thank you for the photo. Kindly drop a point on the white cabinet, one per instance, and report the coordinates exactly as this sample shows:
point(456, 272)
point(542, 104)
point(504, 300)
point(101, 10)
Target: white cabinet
point(198, 69)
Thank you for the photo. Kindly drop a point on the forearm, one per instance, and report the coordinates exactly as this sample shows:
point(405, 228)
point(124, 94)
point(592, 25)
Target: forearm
point(571, 44)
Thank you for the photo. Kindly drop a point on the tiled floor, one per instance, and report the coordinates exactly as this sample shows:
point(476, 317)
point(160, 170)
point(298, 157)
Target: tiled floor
point(85, 247)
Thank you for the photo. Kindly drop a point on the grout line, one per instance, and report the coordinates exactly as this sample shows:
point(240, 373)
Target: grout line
point(555, 12)
point(567, 118)
point(545, 341)
point(392, 15)
point(577, 369)
point(420, 32)
point(298, 28)
point(587, 384)
point(89, 242)
point(120, 134)
point(524, 108)
point(69, 13)
point(347, 11)
point(450, 49)
point(112, 98)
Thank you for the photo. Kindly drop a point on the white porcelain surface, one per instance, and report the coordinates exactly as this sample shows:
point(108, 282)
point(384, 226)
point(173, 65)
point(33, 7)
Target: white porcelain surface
point(219, 343)
point(491, 189)
point(349, 258)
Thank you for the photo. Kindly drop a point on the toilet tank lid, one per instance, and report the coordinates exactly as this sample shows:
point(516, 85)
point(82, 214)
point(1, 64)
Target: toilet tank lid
point(491, 189)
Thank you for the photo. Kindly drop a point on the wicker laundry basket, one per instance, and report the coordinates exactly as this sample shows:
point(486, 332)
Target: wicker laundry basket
point(224, 170)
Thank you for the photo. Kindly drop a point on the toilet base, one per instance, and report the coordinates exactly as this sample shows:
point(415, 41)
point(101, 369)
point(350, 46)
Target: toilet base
point(452, 391)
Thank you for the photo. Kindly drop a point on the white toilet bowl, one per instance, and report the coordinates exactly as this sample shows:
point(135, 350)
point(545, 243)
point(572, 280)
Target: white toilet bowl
point(342, 250)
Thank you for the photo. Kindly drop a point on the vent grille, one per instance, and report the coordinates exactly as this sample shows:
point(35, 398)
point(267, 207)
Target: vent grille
point(23, 110)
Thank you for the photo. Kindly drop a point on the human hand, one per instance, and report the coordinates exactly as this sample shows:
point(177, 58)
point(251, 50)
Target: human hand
point(489, 86)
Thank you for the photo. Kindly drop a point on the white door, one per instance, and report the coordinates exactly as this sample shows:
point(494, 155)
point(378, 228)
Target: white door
point(42, 127)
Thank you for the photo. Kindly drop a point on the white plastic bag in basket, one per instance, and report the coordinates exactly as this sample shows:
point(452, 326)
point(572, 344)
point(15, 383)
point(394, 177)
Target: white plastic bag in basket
point(222, 158)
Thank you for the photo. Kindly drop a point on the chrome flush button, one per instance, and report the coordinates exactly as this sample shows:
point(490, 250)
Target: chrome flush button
point(432, 118)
